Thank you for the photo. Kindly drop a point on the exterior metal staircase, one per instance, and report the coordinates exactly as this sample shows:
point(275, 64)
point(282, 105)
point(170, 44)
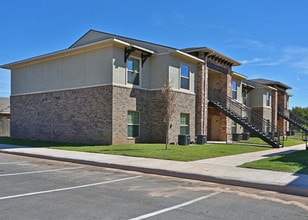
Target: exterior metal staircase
point(243, 116)
point(294, 119)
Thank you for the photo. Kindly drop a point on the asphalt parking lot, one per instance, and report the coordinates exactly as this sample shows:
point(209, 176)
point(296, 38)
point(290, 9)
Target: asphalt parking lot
point(43, 189)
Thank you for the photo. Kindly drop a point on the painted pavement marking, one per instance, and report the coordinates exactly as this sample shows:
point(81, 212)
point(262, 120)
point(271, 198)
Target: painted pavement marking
point(39, 171)
point(66, 188)
point(174, 207)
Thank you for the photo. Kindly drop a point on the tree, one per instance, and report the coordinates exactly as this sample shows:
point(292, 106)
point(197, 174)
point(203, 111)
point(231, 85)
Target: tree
point(303, 112)
point(169, 101)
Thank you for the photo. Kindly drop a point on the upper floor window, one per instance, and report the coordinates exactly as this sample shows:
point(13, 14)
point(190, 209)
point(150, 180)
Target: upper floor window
point(268, 99)
point(184, 69)
point(234, 90)
point(133, 71)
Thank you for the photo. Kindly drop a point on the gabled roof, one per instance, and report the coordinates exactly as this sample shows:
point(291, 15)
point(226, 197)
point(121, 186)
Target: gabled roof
point(238, 75)
point(94, 36)
point(65, 52)
point(212, 53)
point(96, 39)
point(272, 83)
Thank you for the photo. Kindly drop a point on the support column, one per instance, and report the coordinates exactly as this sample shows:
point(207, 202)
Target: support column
point(202, 97)
point(274, 107)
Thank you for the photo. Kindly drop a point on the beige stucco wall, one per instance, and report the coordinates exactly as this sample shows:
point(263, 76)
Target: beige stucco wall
point(86, 69)
point(175, 75)
point(257, 97)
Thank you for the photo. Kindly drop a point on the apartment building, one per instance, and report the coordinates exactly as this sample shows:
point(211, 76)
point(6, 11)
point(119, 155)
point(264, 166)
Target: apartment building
point(107, 89)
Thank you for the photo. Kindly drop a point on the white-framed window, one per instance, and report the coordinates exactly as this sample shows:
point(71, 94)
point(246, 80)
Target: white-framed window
point(233, 127)
point(133, 124)
point(184, 123)
point(184, 71)
point(133, 71)
point(234, 90)
point(268, 99)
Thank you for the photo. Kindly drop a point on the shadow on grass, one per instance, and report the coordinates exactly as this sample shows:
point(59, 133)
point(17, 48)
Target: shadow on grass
point(297, 159)
point(9, 143)
point(281, 153)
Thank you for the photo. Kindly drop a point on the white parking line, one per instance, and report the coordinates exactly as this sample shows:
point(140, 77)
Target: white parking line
point(67, 188)
point(39, 171)
point(13, 162)
point(174, 207)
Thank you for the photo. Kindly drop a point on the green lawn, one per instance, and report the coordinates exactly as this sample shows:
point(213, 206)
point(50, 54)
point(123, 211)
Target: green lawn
point(287, 141)
point(295, 162)
point(175, 152)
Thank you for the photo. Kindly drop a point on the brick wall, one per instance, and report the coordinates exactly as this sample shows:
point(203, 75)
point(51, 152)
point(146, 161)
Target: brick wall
point(96, 115)
point(151, 108)
point(282, 103)
point(76, 116)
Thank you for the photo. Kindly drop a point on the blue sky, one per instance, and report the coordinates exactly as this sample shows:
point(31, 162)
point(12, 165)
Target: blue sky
point(269, 37)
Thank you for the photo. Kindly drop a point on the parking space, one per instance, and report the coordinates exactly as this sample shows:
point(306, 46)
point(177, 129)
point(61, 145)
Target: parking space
point(43, 189)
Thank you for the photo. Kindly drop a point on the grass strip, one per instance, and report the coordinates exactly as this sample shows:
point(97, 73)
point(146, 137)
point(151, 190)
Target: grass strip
point(296, 162)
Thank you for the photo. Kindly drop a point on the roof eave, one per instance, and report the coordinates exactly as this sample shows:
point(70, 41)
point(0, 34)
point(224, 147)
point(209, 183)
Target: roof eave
point(213, 52)
point(186, 56)
point(72, 51)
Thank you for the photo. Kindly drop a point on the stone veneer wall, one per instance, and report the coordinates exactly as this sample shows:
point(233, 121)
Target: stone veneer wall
point(73, 116)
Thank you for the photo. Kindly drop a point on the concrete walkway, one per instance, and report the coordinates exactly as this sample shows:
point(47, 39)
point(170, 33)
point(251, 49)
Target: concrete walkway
point(220, 170)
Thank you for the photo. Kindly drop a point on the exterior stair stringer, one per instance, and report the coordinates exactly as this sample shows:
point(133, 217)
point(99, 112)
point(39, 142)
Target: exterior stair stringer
point(234, 111)
point(295, 120)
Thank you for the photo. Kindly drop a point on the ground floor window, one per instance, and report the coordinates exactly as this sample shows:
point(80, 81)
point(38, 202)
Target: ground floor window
point(184, 124)
point(133, 124)
point(233, 127)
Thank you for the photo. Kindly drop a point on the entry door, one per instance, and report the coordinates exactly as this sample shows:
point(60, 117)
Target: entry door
point(215, 128)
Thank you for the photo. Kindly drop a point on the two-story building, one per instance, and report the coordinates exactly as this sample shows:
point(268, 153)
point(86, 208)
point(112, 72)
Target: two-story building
point(103, 89)
point(267, 98)
point(107, 89)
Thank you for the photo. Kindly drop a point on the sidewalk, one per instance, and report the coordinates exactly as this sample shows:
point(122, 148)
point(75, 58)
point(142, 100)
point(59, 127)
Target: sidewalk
point(219, 170)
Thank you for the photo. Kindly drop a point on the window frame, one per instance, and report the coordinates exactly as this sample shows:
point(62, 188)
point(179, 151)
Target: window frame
point(268, 97)
point(186, 126)
point(128, 71)
point(233, 127)
point(234, 92)
point(133, 124)
point(185, 77)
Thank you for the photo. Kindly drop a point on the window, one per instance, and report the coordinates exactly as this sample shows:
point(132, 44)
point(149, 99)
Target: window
point(184, 124)
point(133, 71)
point(245, 97)
point(132, 124)
point(233, 127)
point(268, 127)
point(184, 76)
point(268, 99)
point(234, 90)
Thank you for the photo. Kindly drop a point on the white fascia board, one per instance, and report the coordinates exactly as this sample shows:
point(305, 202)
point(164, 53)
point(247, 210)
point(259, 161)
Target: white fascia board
point(184, 55)
point(141, 48)
point(65, 52)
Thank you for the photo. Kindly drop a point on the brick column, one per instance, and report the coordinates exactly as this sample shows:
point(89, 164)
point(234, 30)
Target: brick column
point(274, 107)
point(202, 97)
point(282, 104)
point(225, 86)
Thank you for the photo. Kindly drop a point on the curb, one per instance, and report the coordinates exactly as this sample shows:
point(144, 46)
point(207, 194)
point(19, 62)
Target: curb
point(163, 172)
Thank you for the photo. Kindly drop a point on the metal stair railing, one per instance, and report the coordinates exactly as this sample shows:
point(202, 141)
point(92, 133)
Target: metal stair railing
point(261, 126)
point(293, 118)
